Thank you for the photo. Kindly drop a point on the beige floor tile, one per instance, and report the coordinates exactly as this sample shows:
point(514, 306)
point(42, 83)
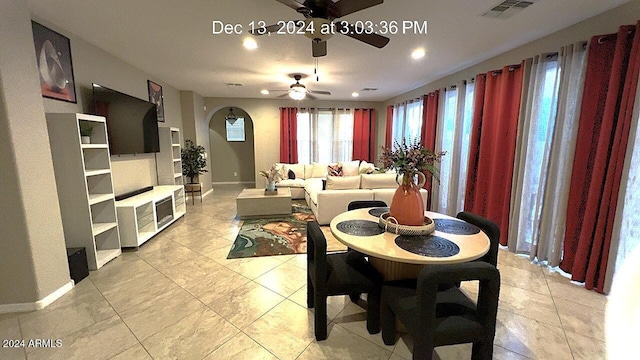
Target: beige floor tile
point(241, 347)
point(81, 307)
point(102, 340)
point(252, 267)
point(354, 319)
point(524, 279)
point(11, 346)
point(586, 348)
point(335, 304)
point(284, 331)
point(507, 258)
point(193, 337)
point(403, 347)
point(132, 293)
point(205, 244)
point(454, 352)
point(530, 304)
point(556, 275)
point(245, 304)
point(397, 357)
point(299, 261)
point(343, 344)
point(500, 353)
point(152, 316)
point(136, 352)
point(530, 338)
point(171, 254)
point(285, 279)
point(219, 255)
point(578, 294)
point(117, 273)
point(581, 319)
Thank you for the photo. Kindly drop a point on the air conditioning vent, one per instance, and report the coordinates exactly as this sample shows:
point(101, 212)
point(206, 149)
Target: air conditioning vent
point(369, 89)
point(508, 8)
point(234, 84)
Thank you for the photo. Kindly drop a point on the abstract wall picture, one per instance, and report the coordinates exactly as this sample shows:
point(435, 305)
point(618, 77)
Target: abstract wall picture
point(53, 54)
point(155, 96)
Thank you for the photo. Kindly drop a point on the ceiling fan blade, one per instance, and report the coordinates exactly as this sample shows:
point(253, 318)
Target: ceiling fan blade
point(277, 91)
point(346, 7)
point(265, 30)
point(319, 92)
point(292, 4)
point(311, 97)
point(283, 95)
point(319, 48)
point(357, 33)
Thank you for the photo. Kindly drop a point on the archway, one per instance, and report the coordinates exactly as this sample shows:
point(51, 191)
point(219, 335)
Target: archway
point(232, 162)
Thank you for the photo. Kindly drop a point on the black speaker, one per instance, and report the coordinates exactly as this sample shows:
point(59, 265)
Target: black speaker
point(78, 267)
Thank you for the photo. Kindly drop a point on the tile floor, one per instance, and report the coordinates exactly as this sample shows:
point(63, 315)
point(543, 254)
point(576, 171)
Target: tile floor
point(178, 297)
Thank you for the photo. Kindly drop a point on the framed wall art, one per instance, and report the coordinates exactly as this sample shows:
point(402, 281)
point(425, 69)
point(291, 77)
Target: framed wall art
point(155, 96)
point(53, 54)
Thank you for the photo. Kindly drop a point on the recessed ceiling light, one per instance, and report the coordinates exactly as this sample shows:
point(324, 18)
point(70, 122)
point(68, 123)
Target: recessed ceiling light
point(250, 44)
point(418, 54)
point(264, 92)
point(355, 94)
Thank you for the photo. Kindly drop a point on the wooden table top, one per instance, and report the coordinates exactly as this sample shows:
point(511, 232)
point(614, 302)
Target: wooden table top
point(384, 245)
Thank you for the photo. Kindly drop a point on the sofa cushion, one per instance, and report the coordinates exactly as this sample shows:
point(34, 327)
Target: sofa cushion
point(334, 170)
point(298, 169)
point(379, 181)
point(308, 171)
point(312, 185)
point(351, 168)
point(319, 170)
point(291, 183)
point(366, 168)
point(343, 182)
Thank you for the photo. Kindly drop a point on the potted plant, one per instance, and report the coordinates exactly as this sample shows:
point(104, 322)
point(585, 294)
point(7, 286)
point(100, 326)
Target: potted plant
point(85, 133)
point(193, 161)
point(272, 175)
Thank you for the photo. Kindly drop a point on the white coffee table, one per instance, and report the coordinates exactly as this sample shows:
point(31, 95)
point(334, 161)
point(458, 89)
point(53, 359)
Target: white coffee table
point(253, 203)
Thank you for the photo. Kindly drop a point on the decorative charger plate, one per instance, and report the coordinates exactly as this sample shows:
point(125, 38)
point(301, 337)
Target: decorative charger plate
point(390, 224)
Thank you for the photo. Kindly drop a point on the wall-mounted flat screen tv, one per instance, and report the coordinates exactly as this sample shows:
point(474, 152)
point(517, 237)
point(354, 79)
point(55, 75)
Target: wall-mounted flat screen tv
point(132, 123)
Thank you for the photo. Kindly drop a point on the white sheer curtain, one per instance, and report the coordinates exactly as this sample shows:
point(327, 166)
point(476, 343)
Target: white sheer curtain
point(544, 153)
point(325, 135)
point(453, 136)
point(626, 229)
point(407, 121)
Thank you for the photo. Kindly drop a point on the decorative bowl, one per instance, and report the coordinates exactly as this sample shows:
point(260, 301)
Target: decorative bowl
point(390, 224)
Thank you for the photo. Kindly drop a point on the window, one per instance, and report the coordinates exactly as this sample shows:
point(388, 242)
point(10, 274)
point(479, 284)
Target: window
point(235, 129)
point(325, 136)
point(407, 121)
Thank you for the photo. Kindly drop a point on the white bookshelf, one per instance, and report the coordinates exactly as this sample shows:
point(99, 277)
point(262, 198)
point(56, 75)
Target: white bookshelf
point(85, 186)
point(169, 157)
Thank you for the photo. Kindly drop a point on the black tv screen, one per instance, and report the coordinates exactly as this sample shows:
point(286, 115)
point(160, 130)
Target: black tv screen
point(132, 123)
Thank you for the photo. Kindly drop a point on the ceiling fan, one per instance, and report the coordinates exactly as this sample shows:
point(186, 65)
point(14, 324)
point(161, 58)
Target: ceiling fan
point(298, 91)
point(319, 12)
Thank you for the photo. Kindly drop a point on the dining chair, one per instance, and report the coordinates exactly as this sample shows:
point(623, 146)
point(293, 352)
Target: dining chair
point(439, 318)
point(490, 228)
point(338, 274)
point(360, 204)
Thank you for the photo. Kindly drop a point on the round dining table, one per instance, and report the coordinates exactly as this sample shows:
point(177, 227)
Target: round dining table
point(399, 257)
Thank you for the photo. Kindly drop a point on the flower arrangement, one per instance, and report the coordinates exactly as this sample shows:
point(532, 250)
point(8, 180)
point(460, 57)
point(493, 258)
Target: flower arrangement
point(411, 158)
point(273, 174)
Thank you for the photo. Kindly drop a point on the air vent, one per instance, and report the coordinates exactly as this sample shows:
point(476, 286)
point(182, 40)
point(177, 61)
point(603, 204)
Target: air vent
point(508, 8)
point(234, 84)
point(369, 89)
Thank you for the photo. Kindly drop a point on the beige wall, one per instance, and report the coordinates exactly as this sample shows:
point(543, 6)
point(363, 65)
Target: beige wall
point(604, 23)
point(232, 162)
point(94, 65)
point(33, 260)
point(266, 122)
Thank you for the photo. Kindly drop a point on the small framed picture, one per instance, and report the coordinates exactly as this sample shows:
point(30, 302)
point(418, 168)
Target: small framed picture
point(155, 96)
point(53, 53)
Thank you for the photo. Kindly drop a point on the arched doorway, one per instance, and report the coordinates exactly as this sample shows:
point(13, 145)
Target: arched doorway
point(232, 162)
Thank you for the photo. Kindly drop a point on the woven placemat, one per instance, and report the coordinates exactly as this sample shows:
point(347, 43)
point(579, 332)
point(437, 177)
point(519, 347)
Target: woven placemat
point(428, 245)
point(360, 228)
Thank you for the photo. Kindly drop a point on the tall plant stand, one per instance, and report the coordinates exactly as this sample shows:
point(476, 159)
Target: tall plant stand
point(192, 189)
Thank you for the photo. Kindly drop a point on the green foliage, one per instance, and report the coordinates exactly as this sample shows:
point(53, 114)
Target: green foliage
point(85, 129)
point(193, 161)
point(412, 158)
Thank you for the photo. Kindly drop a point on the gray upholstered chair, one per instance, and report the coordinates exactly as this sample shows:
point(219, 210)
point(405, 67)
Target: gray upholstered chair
point(360, 204)
point(490, 228)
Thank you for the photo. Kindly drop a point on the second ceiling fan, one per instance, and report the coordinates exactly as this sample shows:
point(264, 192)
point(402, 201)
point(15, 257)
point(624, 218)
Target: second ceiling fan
point(319, 12)
point(298, 91)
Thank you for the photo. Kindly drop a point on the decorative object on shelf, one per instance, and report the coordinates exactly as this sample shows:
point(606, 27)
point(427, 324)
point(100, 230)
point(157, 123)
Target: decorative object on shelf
point(193, 161)
point(85, 132)
point(412, 161)
point(53, 52)
point(272, 175)
point(155, 97)
point(390, 224)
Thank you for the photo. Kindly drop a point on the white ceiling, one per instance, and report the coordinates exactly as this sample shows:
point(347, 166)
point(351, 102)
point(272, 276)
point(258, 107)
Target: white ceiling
point(173, 41)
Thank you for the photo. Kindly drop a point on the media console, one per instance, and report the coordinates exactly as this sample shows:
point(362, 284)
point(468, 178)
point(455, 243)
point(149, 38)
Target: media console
point(142, 216)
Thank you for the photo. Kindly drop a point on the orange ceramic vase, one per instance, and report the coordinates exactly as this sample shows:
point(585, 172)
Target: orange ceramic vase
point(407, 206)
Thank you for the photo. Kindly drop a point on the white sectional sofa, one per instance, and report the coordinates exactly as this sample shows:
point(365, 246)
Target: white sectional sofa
point(328, 195)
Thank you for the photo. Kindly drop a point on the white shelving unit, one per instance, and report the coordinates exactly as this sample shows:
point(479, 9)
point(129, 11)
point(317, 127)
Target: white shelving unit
point(169, 158)
point(85, 186)
point(138, 217)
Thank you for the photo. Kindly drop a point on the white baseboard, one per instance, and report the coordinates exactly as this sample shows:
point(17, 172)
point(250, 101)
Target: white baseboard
point(38, 305)
point(207, 193)
point(233, 182)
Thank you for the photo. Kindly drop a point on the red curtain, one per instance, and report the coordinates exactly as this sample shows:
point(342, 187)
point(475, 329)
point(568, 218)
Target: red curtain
point(288, 135)
point(428, 133)
point(603, 132)
point(364, 134)
point(493, 144)
point(388, 136)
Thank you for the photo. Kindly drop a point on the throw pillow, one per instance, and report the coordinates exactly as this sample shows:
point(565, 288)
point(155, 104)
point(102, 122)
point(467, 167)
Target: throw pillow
point(350, 168)
point(334, 170)
point(319, 170)
point(367, 168)
point(324, 184)
point(343, 182)
point(298, 169)
point(291, 175)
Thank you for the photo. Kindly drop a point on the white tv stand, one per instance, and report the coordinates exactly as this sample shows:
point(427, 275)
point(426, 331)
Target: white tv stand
point(138, 215)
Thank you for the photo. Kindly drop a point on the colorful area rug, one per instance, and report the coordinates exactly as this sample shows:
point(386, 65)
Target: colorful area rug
point(285, 235)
